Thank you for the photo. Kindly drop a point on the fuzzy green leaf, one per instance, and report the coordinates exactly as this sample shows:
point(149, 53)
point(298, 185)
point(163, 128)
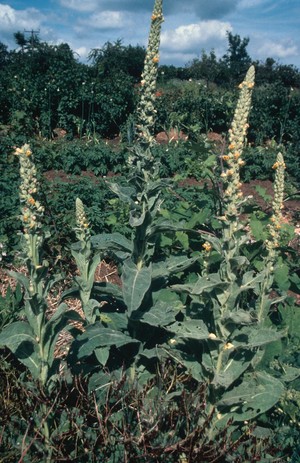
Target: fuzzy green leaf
point(234, 364)
point(171, 265)
point(190, 329)
point(125, 193)
point(255, 336)
point(208, 284)
point(20, 339)
point(111, 241)
point(59, 321)
point(102, 354)
point(255, 395)
point(135, 283)
point(161, 314)
point(97, 336)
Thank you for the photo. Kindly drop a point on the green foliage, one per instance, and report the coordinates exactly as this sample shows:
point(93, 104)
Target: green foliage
point(237, 59)
point(10, 305)
point(189, 356)
point(76, 156)
point(59, 199)
point(114, 58)
point(194, 108)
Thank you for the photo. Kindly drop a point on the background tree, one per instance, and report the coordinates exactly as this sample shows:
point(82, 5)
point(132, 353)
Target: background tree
point(20, 40)
point(4, 54)
point(114, 58)
point(237, 59)
point(206, 68)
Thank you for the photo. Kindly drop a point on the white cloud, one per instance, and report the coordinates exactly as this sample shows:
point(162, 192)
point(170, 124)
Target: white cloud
point(80, 5)
point(249, 3)
point(105, 20)
point(278, 50)
point(82, 52)
point(192, 36)
point(13, 20)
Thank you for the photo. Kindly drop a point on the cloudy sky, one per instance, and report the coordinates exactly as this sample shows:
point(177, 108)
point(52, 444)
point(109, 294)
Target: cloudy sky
point(190, 26)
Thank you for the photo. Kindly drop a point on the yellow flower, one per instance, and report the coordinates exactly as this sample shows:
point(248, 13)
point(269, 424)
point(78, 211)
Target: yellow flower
point(28, 153)
point(31, 200)
point(237, 155)
point(207, 246)
point(231, 146)
point(228, 346)
point(155, 59)
point(225, 157)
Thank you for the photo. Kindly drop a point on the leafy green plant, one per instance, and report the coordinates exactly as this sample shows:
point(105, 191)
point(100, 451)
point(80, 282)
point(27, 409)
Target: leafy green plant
point(33, 340)
point(10, 305)
point(86, 264)
point(183, 358)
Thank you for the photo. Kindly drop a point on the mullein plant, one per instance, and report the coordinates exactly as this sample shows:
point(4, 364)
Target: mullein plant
point(231, 337)
point(143, 190)
point(87, 263)
point(143, 278)
point(141, 161)
point(272, 242)
point(33, 340)
point(234, 233)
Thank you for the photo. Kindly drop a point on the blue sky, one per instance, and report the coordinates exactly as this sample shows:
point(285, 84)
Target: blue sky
point(273, 26)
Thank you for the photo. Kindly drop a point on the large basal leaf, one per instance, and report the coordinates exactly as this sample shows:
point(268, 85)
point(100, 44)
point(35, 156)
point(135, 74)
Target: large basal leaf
point(97, 336)
point(234, 364)
point(135, 283)
point(251, 280)
point(125, 193)
point(255, 336)
point(161, 314)
point(20, 339)
point(203, 284)
point(20, 278)
point(103, 288)
point(257, 394)
point(163, 225)
point(59, 321)
point(111, 241)
point(190, 329)
point(239, 317)
point(102, 354)
point(115, 320)
point(170, 265)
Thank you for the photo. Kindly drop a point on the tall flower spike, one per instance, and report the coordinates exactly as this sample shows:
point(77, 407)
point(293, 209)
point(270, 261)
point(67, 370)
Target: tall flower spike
point(237, 136)
point(32, 210)
point(277, 205)
point(82, 230)
point(146, 106)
